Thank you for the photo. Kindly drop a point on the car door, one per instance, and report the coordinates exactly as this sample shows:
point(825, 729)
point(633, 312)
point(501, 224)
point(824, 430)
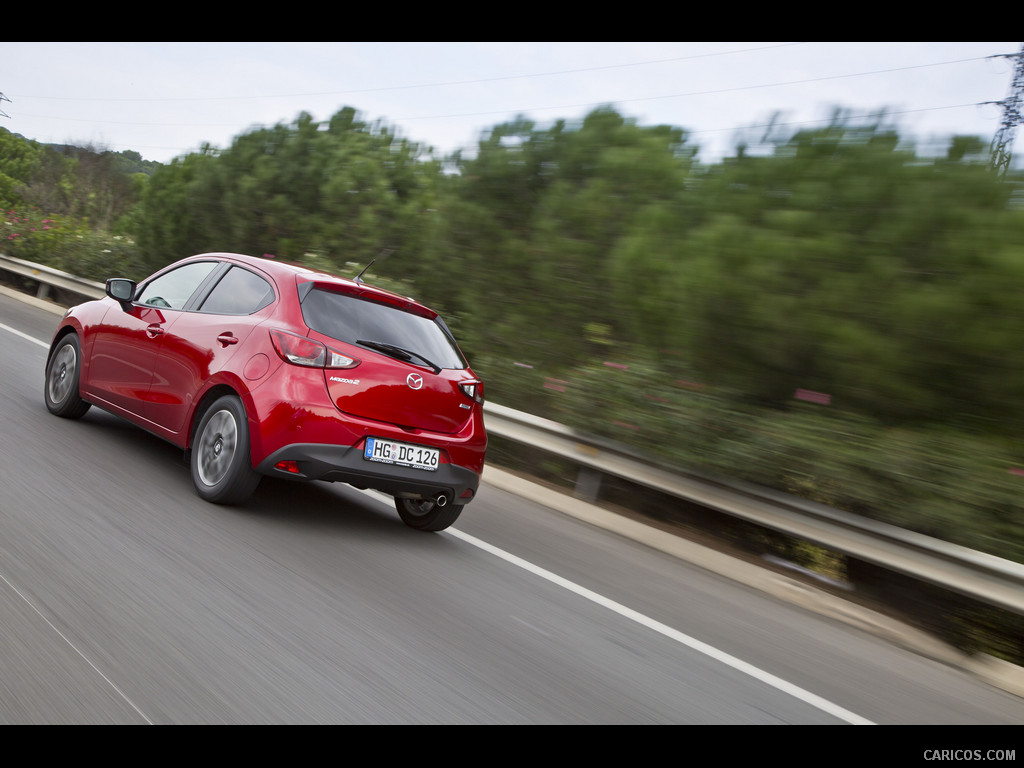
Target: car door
point(203, 340)
point(125, 343)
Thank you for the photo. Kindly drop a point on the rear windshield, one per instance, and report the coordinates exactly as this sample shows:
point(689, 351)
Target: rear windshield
point(351, 319)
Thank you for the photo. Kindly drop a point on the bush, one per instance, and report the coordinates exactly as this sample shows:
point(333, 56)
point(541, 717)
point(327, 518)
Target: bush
point(70, 245)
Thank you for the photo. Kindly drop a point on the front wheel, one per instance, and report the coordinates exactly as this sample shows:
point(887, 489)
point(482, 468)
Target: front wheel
point(62, 374)
point(424, 515)
point(221, 467)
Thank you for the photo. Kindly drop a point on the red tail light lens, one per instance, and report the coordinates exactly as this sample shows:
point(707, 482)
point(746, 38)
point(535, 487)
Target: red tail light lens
point(299, 350)
point(474, 390)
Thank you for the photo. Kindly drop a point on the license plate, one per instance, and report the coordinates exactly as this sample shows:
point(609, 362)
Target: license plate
point(404, 454)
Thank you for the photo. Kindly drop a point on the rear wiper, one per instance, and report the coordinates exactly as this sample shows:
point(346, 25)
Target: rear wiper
point(401, 354)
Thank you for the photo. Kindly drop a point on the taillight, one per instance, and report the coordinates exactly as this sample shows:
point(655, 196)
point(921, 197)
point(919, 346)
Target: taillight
point(473, 389)
point(300, 350)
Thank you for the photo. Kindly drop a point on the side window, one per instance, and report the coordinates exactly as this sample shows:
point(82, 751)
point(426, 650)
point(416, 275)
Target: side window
point(239, 292)
point(173, 289)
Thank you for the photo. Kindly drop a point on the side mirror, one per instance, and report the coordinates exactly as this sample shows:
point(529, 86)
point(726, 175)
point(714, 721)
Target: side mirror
point(121, 290)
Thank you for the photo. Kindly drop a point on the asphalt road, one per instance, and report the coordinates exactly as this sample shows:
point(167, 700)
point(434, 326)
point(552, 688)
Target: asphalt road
point(126, 599)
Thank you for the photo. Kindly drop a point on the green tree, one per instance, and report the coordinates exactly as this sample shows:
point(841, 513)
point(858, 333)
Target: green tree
point(532, 221)
point(336, 192)
point(20, 161)
point(842, 264)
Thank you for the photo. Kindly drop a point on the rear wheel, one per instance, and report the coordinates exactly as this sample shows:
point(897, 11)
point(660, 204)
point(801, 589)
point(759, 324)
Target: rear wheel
point(425, 515)
point(62, 374)
point(221, 468)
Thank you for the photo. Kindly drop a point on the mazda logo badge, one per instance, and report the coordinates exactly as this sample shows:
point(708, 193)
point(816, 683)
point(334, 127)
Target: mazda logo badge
point(414, 380)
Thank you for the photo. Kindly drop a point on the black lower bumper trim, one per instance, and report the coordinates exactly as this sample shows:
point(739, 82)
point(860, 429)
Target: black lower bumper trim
point(344, 464)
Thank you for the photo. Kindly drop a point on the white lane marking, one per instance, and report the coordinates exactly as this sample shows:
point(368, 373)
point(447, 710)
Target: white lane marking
point(31, 605)
point(738, 664)
point(708, 650)
point(73, 647)
point(16, 332)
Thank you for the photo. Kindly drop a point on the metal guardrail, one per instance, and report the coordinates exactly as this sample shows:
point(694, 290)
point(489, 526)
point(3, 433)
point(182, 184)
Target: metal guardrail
point(48, 277)
point(992, 580)
point(981, 576)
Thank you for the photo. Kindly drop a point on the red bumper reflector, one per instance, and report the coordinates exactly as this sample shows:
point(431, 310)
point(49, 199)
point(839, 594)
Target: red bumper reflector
point(288, 466)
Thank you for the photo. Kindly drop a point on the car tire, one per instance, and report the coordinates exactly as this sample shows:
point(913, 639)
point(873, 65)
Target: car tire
point(425, 515)
point(221, 466)
point(62, 375)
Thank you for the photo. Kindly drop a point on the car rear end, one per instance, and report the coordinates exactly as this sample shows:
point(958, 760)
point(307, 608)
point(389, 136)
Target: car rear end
point(373, 391)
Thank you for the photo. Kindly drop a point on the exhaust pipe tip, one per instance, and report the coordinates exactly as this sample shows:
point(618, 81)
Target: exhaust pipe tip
point(441, 500)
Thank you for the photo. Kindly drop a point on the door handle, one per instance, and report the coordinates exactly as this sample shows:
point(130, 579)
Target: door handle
point(226, 339)
point(154, 329)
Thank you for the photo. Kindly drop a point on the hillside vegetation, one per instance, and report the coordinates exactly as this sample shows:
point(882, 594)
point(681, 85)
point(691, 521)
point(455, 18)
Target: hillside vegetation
point(838, 318)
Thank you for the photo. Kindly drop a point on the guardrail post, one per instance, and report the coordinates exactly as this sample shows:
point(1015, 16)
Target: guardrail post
point(588, 484)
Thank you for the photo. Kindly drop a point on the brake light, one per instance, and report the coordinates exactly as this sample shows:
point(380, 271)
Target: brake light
point(473, 389)
point(300, 350)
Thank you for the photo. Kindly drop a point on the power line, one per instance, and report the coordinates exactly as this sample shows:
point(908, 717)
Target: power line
point(1006, 133)
point(474, 81)
point(350, 92)
point(676, 95)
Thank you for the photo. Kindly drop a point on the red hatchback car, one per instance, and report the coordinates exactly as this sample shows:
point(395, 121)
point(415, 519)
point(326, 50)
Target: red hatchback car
point(255, 367)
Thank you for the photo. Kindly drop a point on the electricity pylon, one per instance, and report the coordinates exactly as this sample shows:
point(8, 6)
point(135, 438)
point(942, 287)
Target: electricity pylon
point(1002, 142)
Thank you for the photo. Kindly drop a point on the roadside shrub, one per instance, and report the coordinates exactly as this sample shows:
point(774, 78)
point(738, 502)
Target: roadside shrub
point(69, 244)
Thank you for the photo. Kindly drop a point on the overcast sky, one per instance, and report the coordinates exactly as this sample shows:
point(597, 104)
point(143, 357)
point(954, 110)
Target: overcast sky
point(165, 99)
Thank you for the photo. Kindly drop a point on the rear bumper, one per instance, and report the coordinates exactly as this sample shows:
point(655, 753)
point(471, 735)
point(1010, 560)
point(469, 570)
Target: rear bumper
point(345, 464)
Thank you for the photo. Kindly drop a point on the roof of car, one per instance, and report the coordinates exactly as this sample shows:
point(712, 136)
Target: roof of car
point(268, 263)
point(281, 269)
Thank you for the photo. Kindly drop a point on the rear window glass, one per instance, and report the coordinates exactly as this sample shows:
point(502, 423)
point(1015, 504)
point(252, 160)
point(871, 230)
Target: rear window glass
point(352, 319)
